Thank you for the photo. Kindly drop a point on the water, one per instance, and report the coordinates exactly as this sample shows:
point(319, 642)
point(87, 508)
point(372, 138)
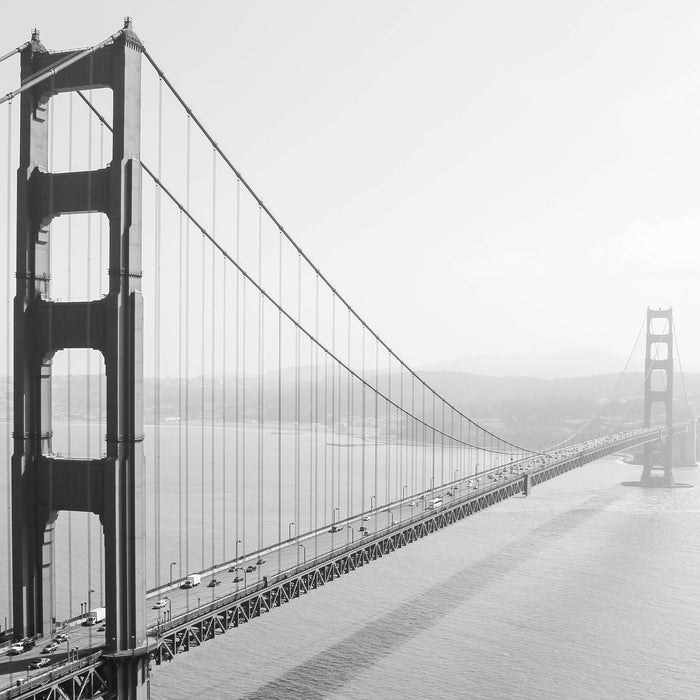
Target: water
point(585, 589)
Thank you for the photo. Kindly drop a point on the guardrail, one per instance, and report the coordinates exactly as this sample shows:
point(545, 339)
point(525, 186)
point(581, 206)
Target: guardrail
point(52, 674)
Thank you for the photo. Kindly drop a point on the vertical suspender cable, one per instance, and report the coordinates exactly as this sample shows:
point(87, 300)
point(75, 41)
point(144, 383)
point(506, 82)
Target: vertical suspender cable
point(238, 356)
point(279, 409)
point(325, 437)
point(400, 436)
point(376, 423)
point(100, 416)
point(312, 485)
point(180, 284)
point(333, 439)
point(297, 465)
point(387, 410)
point(51, 165)
point(8, 352)
point(214, 527)
point(88, 515)
point(156, 346)
point(315, 424)
point(349, 466)
point(224, 509)
point(364, 429)
point(414, 484)
point(244, 493)
point(187, 359)
point(202, 425)
point(261, 393)
point(442, 444)
point(68, 358)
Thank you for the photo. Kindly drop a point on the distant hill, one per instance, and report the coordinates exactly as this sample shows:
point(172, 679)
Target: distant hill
point(567, 363)
point(530, 411)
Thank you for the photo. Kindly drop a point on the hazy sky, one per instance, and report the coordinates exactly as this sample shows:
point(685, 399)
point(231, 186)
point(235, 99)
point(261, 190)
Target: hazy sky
point(474, 177)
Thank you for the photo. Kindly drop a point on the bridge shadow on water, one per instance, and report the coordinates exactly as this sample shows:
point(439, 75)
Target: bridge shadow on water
point(330, 670)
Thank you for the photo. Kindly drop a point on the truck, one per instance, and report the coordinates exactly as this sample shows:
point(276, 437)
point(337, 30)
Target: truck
point(95, 616)
point(191, 581)
point(434, 504)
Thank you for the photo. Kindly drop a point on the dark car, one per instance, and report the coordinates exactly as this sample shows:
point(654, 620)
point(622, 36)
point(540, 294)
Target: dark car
point(260, 561)
point(250, 569)
point(38, 663)
point(214, 582)
point(51, 646)
point(238, 579)
point(28, 643)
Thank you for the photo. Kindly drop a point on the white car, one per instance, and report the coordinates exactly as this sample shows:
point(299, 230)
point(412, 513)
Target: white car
point(160, 604)
point(17, 648)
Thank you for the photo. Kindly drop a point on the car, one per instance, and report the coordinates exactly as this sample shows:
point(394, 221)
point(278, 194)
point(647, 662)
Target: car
point(27, 643)
point(38, 663)
point(238, 579)
point(366, 518)
point(102, 628)
point(214, 582)
point(159, 604)
point(60, 638)
point(335, 528)
point(260, 561)
point(17, 648)
point(233, 569)
point(250, 569)
point(363, 528)
point(51, 646)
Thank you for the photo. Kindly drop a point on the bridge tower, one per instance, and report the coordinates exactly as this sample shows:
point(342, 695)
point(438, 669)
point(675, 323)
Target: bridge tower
point(658, 456)
point(42, 484)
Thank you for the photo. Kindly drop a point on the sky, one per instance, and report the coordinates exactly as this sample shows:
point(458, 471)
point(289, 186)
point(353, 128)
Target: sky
point(475, 178)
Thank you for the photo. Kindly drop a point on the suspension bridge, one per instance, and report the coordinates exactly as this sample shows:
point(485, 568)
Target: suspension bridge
point(201, 427)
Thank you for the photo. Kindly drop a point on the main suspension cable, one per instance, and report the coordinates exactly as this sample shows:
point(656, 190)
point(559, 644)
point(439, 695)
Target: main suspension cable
point(303, 255)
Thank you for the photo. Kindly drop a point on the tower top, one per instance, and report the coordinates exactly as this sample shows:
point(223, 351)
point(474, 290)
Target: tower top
point(35, 42)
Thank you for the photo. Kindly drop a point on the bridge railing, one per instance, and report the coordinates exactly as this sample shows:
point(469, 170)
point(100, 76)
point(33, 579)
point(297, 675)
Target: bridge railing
point(53, 673)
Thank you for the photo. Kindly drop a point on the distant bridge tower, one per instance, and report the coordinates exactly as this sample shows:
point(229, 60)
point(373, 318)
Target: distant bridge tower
point(42, 484)
point(658, 456)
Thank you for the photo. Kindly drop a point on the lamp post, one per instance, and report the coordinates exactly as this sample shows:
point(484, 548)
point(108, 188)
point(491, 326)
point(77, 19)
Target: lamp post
point(90, 592)
point(304, 548)
point(237, 543)
point(403, 492)
point(372, 500)
point(289, 530)
point(352, 530)
point(390, 512)
point(172, 563)
point(432, 483)
point(334, 512)
point(170, 607)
